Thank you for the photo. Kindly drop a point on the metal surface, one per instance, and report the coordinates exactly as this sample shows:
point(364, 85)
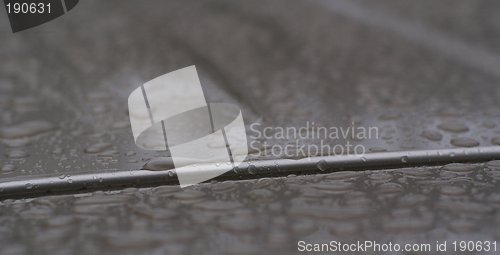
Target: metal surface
point(269, 215)
point(248, 170)
point(423, 72)
point(75, 79)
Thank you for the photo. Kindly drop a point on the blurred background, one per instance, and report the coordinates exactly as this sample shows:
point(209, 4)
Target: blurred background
point(425, 73)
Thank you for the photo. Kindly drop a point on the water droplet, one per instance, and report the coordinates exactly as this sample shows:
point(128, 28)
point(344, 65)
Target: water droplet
point(98, 147)
point(26, 129)
point(252, 169)
point(390, 116)
point(322, 165)
point(218, 205)
point(130, 153)
point(389, 188)
point(260, 194)
point(57, 151)
point(452, 191)
point(460, 168)
point(16, 142)
point(189, 195)
point(377, 149)
point(464, 142)
point(335, 186)
point(495, 141)
point(455, 127)
point(158, 164)
point(489, 124)
point(344, 175)
point(404, 159)
point(432, 135)
point(17, 154)
point(8, 168)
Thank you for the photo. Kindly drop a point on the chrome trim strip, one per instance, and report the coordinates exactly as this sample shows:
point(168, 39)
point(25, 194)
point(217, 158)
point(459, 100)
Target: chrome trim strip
point(247, 170)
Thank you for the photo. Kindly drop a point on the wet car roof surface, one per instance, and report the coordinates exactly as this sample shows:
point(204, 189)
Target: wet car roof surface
point(422, 72)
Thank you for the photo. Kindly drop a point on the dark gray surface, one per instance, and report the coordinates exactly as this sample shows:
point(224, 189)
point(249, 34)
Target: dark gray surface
point(283, 67)
point(415, 69)
point(265, 216)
